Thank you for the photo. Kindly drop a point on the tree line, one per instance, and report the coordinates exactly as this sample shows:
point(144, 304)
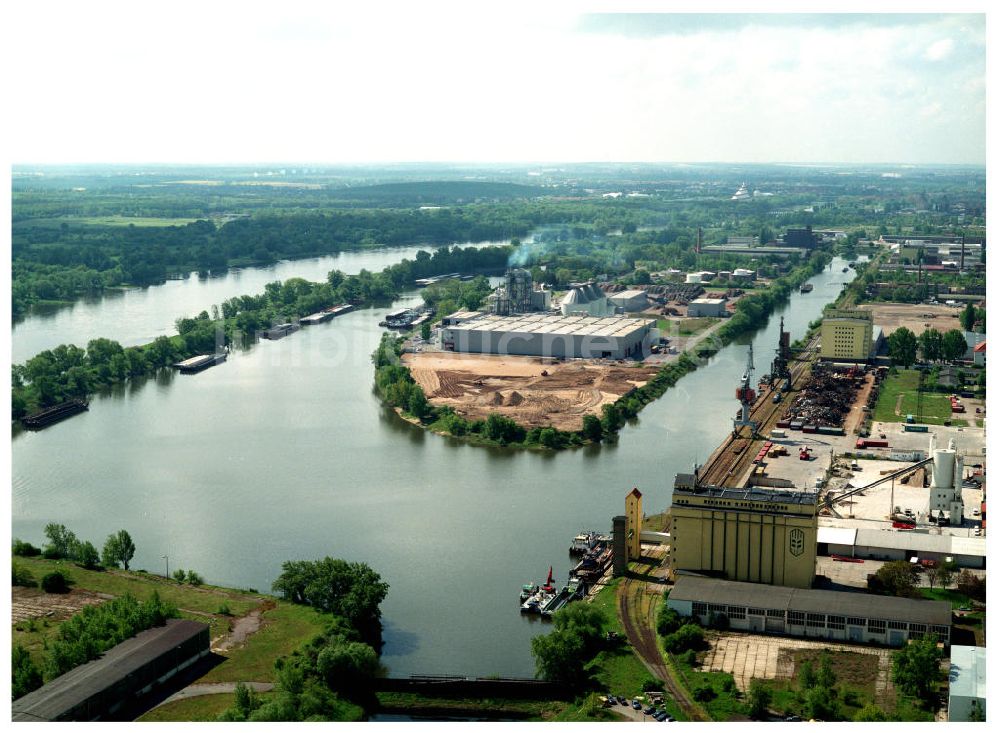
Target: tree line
point(68, 371)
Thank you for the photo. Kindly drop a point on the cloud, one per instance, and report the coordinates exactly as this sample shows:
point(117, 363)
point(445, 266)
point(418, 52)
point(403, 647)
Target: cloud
point(940, 50)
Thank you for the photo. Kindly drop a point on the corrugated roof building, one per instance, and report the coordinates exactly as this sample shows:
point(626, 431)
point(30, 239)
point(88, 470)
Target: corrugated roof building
point(835, 615)
point(98, 689)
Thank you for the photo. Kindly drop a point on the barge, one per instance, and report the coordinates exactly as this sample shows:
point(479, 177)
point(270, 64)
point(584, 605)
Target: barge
point(280, 331)
point(197, 363)
point(51, 415)
point(805, 288)
point(325, 315)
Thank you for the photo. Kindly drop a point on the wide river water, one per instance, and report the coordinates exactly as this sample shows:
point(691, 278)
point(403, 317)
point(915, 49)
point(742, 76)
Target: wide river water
point(284, 452)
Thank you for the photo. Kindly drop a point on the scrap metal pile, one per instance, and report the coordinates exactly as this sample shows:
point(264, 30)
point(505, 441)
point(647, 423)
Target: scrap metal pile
point(827, 397)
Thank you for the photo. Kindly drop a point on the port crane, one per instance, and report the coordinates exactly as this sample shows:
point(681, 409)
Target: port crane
point(746, 396)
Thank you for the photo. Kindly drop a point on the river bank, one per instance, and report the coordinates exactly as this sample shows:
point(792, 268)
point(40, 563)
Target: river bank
point(396, 385)
point(287, 452)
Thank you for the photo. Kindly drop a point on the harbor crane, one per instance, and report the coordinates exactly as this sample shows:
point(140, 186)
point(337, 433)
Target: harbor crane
point(746, 396)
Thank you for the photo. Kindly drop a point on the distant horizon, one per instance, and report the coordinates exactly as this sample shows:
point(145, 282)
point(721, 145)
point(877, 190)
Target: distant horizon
point(488, 163)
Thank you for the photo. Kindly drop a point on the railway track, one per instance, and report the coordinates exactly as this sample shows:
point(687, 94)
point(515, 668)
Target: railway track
point(640, 628)
point(724, 466)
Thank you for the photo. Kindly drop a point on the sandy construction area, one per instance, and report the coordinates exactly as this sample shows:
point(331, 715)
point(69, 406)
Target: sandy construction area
point(532, 391)
point(917, 317)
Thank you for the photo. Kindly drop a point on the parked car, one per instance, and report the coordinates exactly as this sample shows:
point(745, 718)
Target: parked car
point(649, 710)
point(636, 704)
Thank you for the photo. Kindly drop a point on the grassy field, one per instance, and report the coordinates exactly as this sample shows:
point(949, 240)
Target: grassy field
point(195, 709)
point(726, 702)
point(537, 710)
point(901, 390)
point(284, 629)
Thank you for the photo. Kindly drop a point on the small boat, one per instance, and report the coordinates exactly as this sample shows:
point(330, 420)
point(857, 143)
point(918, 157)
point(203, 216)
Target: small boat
point(805, 288)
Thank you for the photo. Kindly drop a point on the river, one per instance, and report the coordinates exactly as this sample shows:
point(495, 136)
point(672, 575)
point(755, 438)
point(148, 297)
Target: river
point(138, 315)
point(284, 452)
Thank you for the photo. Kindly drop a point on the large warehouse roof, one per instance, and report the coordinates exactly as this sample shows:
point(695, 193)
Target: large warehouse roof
point(967, 677)
point(81, 683)
point(755, 595)
point(945, 544)
point(755, 494)
point(535, 323)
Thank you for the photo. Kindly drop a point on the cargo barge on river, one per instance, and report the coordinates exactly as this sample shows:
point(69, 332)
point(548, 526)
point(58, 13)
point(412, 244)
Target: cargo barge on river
point(51, 415)
point(325, 315)
point(197, 363)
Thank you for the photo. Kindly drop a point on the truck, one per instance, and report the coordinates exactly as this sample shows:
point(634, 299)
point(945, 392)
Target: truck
point(869, 443)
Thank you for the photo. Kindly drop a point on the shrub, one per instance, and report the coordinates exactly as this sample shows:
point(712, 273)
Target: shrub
point(690, 658)
point(704, 693)
point(22, 577)
point(51, 553)
point(668, 621)
point(686, 637)
point(24, 549)
point(86, 555)
point(224, 610)
point(55, 582)
point(193, 578)
point(651, 685)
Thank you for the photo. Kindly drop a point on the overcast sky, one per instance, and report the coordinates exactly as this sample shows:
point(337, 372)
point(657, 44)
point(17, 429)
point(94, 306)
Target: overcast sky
point(285, 82)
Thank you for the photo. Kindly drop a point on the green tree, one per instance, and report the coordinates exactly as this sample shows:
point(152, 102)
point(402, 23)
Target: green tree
point(418, 405)
point(592, 429)
point(86, 555)
point(898, 578)
point(688, 636)
point(870, 713)
point(347, 665)
point(822, 703)
point(25, 676)
point(946, 572)
point(953, 345)
point(825, 677)
point(807, 676)
point(562, 655)
point(425, 331)
point(118, 550)
point(971, 585)
point(351, 590)
point(62, 541)
point(758, 698)
point(667, 620)
point(930, 344)
point(968, 317)
point(915, 668)
point(902, 347)
point(548, 438)
point(245, 701)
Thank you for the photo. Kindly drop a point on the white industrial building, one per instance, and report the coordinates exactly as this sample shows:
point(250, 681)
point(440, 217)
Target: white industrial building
point(947, 476)
point(536, 334)
point(835, 615)
point(707, 307)
point(631, 301)
point(891, 544)
point(699, 277)
point(967, 683)
point(741, 273)
point(587, 299)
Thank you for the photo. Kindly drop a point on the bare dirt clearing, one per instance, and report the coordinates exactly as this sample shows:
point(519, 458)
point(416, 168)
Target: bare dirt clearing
point(917, 317)
point(532, 391)
point(34, 603)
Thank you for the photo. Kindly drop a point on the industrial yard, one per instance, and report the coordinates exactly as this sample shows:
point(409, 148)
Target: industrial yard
point(532, 391)
point(917, 318)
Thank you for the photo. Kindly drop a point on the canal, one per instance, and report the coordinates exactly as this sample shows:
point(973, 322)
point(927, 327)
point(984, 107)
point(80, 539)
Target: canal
point(284, 453)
